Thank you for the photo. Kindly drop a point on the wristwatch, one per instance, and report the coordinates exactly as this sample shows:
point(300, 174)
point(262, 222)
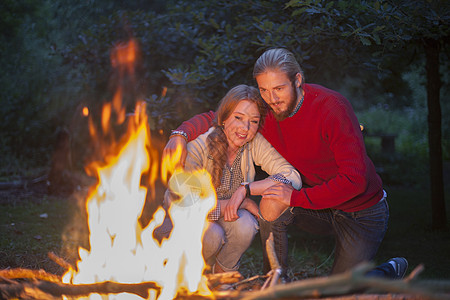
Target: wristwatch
point(248, 192)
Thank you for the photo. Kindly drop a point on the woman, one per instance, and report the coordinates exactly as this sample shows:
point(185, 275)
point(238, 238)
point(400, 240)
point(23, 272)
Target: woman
point(228, 151)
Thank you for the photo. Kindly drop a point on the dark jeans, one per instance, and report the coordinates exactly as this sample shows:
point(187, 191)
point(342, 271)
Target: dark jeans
point(357, 234)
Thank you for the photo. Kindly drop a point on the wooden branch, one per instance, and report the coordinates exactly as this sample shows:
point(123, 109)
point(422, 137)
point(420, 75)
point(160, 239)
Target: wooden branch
point(269, 278)
point(60, 261)
point(30, 274)
point(249, 279)
point(346, 283)
point(274, 263)
point(22, 183)
point(54, 289)
point(270, 248)
point(223, 278)
point(415, 273)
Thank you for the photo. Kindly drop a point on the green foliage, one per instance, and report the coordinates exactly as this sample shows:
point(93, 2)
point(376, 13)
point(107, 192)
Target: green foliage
point(58, 59)
point(409, 125)
point(40, 92)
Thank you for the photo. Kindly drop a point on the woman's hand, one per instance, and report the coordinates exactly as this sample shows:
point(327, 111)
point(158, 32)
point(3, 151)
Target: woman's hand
point(233, 205)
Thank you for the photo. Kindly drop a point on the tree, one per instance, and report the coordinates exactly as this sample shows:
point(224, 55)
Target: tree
point(205, 47)
point(334, 35)
point(391, 28)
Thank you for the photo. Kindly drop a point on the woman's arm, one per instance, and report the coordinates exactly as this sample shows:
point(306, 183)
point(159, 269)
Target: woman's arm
point(239, 197)
point(266, 156)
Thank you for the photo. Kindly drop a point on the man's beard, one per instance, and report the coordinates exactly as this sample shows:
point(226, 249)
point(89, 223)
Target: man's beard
point(292, 104)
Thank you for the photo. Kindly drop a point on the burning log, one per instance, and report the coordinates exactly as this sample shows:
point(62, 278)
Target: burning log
point(29, 274)
point(47, 286)
point(49, 290)
point(215, 280)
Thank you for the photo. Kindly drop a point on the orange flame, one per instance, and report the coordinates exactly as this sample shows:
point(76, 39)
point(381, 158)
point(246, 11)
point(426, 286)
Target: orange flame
point(124, 56)
point(171, 164)
point(85, 111)
point(121, 249)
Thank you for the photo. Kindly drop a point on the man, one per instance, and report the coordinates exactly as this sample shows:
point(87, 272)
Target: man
point(317, 131)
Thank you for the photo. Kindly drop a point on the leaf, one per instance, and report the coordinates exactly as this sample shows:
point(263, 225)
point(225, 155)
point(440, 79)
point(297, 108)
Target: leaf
point(365, 41)
point(313, 11)
point(377, 5)
point(376, 37)
point(214, 23)
point(293, 3)
point(298, 12)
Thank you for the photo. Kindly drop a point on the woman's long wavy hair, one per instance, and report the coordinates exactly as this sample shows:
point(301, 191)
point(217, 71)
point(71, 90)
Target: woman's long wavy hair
point(217, 142)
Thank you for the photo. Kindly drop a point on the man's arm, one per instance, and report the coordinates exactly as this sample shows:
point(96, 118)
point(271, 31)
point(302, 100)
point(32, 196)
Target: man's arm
point(186, 132)
point(196, 125)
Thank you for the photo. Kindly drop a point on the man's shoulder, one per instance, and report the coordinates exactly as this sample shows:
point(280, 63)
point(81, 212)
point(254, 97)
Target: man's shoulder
point(326, 99)
point(320, 90)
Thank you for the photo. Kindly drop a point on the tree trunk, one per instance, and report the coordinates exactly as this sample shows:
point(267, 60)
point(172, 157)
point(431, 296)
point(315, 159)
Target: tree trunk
point(439, 219)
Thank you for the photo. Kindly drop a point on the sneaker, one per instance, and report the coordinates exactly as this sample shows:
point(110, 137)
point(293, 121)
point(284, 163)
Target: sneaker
point(400, 265)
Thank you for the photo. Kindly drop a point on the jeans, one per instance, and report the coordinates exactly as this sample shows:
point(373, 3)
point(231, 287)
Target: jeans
point(357, 234)
point(223, 242)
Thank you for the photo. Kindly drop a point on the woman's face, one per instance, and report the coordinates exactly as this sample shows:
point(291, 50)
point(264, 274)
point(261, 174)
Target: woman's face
point(242, 124)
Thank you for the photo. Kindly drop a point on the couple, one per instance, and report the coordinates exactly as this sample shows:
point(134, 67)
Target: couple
point(317, 132)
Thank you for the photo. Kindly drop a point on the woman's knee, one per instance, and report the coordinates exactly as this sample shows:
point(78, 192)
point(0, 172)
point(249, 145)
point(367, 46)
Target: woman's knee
point(213, 240)
point(246, 225)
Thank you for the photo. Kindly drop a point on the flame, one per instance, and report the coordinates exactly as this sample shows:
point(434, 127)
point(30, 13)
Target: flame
point(170, 164)
point(123, 57)
point(85, 111)
point(121, 248)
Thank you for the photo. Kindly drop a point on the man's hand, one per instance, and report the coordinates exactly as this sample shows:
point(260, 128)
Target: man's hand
point(174, 154)
point(279, 192)
point(275, 200)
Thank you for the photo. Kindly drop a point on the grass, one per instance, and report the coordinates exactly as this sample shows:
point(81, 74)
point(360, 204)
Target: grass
point(410, 235)
point(33, 224)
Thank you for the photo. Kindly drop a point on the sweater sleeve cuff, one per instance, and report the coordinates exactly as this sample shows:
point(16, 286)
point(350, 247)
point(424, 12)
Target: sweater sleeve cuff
point(296, 198)
point(196, 125)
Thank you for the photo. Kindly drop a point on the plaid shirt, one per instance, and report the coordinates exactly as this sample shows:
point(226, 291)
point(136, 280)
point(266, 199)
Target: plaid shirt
point(231, 179)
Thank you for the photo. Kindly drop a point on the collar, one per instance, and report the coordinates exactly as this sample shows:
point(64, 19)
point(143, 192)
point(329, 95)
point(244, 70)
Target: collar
point(298, 105)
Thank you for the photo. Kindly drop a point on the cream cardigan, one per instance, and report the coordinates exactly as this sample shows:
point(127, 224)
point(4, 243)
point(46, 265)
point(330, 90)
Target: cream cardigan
point(258, 151)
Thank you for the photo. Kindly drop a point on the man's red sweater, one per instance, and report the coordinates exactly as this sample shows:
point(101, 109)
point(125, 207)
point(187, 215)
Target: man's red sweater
point(323, 141)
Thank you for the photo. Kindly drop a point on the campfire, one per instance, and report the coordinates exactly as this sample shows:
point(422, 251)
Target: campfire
point(121, 250)
point(125, 261)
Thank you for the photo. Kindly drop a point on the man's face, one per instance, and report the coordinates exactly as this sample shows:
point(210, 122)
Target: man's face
point(279, 92)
